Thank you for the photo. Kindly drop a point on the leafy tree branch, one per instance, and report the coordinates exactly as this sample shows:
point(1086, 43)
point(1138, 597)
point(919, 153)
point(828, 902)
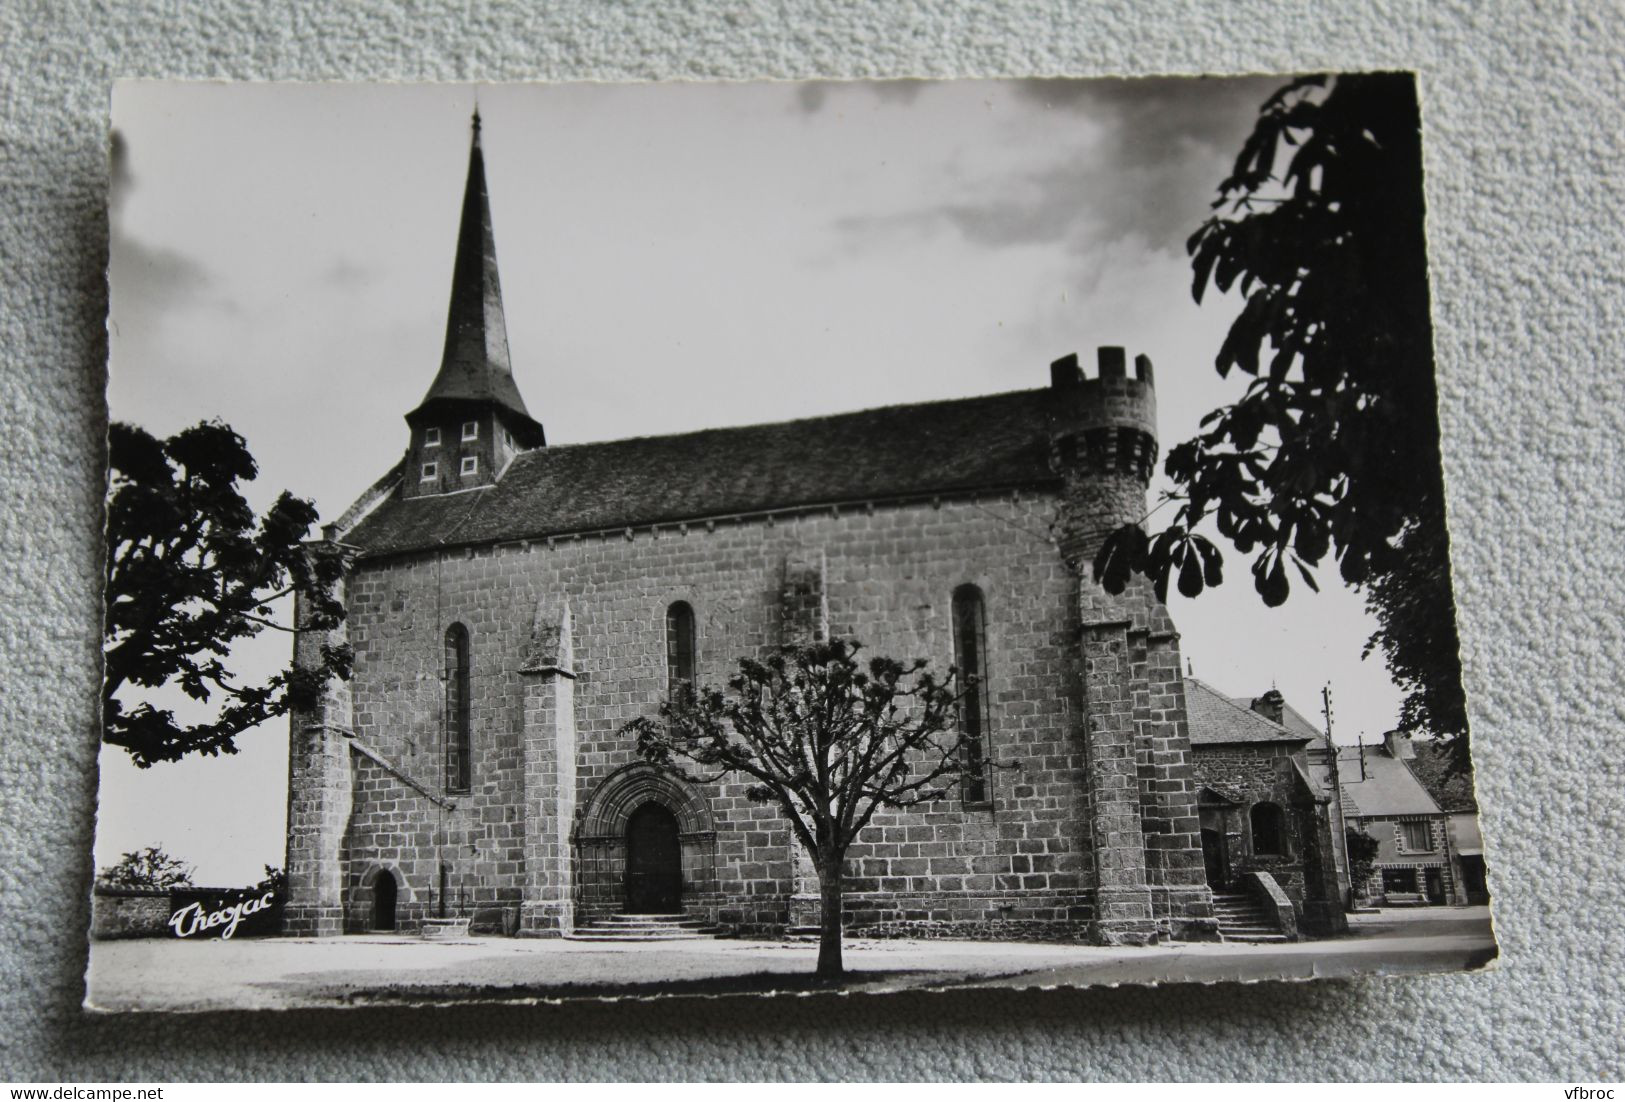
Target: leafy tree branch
point(1332, 450)
point(191, 570)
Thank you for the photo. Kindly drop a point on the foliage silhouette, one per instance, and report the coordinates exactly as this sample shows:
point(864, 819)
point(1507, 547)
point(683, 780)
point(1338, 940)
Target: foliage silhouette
point(1362, 851)
point(1333, 449)
point(190, 572)
point(149, 868)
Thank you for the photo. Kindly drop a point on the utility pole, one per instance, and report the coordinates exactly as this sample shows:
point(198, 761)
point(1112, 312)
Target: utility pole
point(1335, 782)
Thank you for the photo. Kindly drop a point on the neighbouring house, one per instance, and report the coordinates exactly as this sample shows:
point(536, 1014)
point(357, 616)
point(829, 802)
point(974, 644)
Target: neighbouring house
point(1321, 763)
point(1383, 797)
point(1453, 791)
point(1261, 809)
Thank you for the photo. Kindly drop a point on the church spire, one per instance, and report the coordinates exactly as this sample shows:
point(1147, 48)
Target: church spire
point(474, 365)
point(473, 399)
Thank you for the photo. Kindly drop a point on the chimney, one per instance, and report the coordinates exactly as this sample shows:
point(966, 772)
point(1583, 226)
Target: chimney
point(1272, 706)
point(1064, 373)
point(1398, 745)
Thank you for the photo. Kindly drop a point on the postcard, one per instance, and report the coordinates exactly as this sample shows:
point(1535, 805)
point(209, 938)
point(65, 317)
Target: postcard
point(860, 536)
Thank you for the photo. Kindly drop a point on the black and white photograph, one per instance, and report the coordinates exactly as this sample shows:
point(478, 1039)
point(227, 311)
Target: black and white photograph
point(587, 541)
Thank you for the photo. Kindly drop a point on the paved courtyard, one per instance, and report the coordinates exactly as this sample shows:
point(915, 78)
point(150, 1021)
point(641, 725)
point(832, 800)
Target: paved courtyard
point(361, 970)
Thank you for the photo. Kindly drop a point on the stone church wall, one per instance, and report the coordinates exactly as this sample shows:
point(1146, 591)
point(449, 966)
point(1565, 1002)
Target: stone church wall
point(889, 579)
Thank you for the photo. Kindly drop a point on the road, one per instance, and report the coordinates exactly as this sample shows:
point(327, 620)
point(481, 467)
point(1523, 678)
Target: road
point(279, 973)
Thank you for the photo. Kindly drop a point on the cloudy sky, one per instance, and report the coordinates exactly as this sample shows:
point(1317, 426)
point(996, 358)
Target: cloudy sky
point(673, 257)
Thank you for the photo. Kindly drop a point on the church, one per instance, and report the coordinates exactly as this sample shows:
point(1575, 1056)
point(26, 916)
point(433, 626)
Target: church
point(512, 605)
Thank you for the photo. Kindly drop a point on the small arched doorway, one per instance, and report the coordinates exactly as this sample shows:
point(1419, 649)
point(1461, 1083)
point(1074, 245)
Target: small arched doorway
point(654, 861)
point(383, 900)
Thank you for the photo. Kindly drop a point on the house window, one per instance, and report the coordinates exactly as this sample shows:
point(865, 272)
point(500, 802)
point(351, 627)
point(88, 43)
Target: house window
point(1399, 882)
point(679, 648)
point(1268, 829)
point(970, 656)
point(1418, 836)
point(459, 745)
point(431, 471)
point(471, 430)
point(471, 464)
point(431, 438)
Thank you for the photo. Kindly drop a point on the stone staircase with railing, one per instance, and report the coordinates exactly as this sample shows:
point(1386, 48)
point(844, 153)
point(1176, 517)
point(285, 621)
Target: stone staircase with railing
point(629, 927)
point(1243, 917)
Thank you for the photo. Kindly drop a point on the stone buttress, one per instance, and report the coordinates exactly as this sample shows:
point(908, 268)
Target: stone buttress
point(548, 741)
point(804, 619)
point(319, 790)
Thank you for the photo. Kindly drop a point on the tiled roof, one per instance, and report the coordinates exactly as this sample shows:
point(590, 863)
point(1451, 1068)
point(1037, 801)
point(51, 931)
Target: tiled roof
point(988, 443)
point(1386, 786)
point(1217, 719)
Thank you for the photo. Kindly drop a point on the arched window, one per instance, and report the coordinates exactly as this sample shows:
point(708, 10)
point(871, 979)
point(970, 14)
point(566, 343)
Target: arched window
point(970, 655)
point(459, 742)
point(1269, 835)
point(679, 647)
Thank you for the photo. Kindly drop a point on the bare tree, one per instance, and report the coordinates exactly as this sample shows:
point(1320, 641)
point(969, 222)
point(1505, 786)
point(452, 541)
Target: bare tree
point(828, 739)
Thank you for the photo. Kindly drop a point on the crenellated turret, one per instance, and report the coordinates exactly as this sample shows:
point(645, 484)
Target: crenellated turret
point(1103, 442)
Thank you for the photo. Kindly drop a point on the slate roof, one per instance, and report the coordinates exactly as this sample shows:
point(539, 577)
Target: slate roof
point(988, 443)
point(1292, 719)
point(1389, 787)
point(1216, 719)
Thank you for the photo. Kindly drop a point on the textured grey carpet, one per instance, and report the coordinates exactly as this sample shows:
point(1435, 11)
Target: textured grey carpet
point(1524, 143)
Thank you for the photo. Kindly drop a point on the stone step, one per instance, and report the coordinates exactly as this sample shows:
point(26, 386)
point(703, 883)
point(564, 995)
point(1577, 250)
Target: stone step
point(633, 921)
point(1242, 917)
point(644, 927)
point(652, 931)
point(608, 935)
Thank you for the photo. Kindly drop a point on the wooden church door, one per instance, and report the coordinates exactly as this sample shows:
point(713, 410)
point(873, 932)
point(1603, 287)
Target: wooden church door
point(654, 862)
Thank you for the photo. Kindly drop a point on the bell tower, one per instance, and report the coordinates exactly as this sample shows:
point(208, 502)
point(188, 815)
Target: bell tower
point(472, 421)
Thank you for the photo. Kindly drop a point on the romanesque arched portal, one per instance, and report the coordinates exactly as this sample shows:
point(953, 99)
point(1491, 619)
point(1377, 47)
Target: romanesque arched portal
point(642, 795)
